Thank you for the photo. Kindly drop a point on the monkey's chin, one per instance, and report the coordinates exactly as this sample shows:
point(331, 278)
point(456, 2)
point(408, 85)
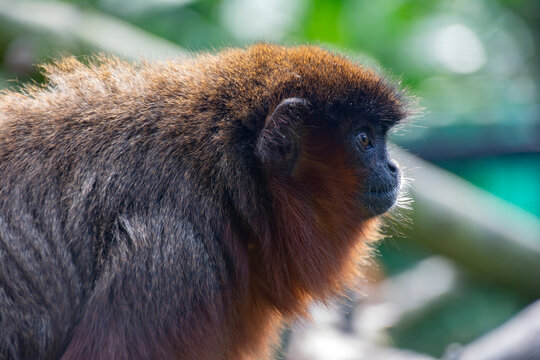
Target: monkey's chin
point(377, 203)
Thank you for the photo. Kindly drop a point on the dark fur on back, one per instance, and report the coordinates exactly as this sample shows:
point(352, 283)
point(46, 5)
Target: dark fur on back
point(136, 221)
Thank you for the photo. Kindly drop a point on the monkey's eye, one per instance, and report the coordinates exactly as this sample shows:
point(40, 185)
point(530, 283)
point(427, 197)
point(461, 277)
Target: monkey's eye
point(365, 140)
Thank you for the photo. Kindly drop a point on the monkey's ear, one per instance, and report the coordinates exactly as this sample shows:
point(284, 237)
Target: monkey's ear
point(280, 140)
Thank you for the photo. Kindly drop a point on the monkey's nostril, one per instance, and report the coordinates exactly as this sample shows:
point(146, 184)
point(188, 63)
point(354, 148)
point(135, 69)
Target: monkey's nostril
point(392, 166)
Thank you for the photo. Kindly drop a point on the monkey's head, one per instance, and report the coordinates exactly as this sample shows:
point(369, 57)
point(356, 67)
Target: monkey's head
point(295, 132)
point(330, 118)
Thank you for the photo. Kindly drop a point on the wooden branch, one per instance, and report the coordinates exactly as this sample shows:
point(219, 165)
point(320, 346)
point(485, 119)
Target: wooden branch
point(487, 235)
point(92, 28)
point(517, 339)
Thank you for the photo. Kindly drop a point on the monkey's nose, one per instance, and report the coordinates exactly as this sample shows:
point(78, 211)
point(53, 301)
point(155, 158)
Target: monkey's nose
point(392, 166)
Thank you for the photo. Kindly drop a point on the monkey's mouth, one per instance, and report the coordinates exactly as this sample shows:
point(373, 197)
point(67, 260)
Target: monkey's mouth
point(382, 192)
point(378, 201)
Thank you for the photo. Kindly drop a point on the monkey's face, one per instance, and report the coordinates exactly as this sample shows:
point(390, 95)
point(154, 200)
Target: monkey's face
point(321, 153)
point(378, 175)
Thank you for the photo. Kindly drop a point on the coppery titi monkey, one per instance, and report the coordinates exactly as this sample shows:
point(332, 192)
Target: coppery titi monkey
point(185, 209)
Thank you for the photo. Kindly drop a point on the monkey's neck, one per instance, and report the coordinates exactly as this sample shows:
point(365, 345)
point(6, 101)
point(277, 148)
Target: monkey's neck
point(312, 248)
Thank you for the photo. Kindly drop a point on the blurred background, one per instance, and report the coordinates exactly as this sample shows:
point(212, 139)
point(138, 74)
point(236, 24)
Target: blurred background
point(454, 281)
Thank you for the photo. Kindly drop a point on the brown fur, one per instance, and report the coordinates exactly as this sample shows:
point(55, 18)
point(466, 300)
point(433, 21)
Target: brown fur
point(110, 161)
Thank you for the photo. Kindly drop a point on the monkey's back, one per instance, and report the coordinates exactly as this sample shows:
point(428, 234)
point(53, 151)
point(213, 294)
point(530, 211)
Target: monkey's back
point(76, 159)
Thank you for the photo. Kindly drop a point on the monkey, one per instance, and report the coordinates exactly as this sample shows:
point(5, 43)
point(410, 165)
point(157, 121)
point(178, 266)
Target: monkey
point(187, 209)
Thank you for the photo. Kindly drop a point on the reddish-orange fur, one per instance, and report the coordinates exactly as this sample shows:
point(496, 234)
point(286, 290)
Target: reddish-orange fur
point(315, 248)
